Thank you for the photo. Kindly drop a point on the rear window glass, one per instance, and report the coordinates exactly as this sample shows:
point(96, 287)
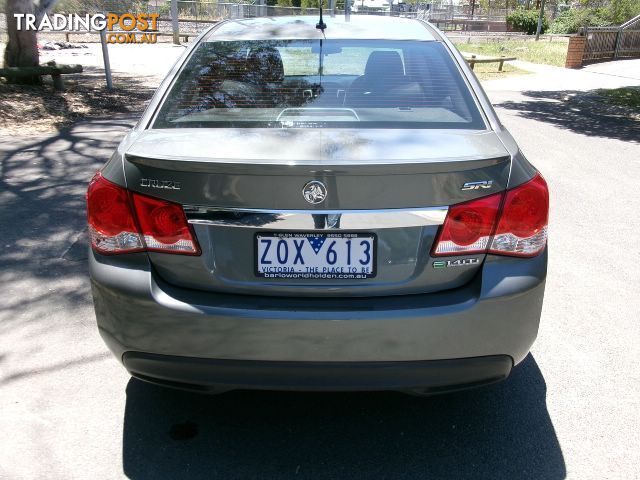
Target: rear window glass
point(320, 83)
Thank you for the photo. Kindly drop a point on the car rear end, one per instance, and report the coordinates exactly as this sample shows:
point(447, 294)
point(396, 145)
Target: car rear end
point(319, 212)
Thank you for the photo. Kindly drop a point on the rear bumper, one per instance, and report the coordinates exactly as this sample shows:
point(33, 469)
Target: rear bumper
point(431, 376)
point(274, 342)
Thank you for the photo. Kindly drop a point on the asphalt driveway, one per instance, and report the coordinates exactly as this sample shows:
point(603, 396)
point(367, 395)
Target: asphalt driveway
point(68, 410)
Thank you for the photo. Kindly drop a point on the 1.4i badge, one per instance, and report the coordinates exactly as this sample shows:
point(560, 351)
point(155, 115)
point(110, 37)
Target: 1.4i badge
point(462, 262)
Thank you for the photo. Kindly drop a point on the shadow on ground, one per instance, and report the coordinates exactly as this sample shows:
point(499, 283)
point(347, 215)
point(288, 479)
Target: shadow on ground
point(501, 431)
point(497, 432)
point(587, 113)
point(43, 250)
point(41, 108)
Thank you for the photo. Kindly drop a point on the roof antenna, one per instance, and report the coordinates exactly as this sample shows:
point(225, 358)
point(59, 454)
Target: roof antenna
point(321, 25)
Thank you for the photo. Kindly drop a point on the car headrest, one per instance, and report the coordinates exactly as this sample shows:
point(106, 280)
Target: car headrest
point(265, 64)
point(220, 68)
point(383, 63)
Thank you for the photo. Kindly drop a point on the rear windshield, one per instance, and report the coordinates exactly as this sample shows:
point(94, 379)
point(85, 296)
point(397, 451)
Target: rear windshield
point(320, 83)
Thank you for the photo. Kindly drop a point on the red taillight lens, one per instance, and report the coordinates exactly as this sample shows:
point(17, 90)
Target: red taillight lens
point(164, 226)
point(522, 223)
point(468, 227)
point(522, 229)
point(113, 228)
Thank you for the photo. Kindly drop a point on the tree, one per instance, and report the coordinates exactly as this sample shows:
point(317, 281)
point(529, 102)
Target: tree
point(22, 45)
point(540, 20)
point(622, 10)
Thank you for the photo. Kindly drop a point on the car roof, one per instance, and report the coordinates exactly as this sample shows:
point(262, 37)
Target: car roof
point(304, 27)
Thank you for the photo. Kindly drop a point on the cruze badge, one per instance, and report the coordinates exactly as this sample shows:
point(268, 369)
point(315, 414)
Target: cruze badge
point(477, 185)
point(163, 184)
point(314, 192)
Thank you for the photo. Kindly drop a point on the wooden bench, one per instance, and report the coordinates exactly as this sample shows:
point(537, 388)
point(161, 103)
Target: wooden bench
point(473, 60)
point(56, 72)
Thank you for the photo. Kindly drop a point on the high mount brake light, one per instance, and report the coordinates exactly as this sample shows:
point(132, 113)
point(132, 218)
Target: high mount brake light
point(125, 222)
point(521, 223)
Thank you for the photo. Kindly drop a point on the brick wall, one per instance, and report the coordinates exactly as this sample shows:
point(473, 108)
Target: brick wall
point(575, 51)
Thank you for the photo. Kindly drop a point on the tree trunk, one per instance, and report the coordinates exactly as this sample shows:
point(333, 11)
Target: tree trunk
point(22, 45)
point(540, 17)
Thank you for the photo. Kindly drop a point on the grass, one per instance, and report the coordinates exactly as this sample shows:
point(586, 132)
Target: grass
point(550, 53)
point(489, 71)
point(625, 96)
point(302, 61)
point(352, 61)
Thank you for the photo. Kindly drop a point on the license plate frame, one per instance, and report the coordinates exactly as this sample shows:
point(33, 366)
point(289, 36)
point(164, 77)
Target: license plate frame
point(330, 275)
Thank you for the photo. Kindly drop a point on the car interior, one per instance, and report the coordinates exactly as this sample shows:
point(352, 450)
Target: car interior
point(256, 77)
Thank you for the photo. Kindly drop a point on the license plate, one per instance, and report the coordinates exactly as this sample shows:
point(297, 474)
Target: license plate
point(316, 255)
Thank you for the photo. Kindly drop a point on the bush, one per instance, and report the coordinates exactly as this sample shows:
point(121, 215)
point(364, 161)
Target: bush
point(526, 21)
point(615, 12)
point(619, 11)
point(571, 20)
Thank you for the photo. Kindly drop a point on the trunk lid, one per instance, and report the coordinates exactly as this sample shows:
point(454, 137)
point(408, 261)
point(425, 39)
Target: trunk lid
point(239, 184)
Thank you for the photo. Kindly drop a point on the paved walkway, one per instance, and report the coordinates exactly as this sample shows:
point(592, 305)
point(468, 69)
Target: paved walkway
point(620, 73)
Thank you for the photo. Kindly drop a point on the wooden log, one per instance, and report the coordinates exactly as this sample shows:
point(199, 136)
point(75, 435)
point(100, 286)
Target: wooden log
point(56, 72)
point(21, 72)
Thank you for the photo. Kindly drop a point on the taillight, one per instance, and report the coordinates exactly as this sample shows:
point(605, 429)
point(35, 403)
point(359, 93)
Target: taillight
point(522, 228)
point(112, 227)
point(163, 226)
point(522, 223)
point(157, 225)
point(468, 227)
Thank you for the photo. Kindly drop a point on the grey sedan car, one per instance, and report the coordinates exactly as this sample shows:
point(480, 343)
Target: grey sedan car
point(308, 208)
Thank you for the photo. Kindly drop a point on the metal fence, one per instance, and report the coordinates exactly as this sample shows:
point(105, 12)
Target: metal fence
point(440, 10)
point(612, 42)
point(628, 42)
point(212, 10)
point(195, 15)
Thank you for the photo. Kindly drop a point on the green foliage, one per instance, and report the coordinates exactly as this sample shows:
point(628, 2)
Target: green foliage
point(613, 12)
point(571, 20)
point(484, 5)
point(526, 21)
point(619, 11)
